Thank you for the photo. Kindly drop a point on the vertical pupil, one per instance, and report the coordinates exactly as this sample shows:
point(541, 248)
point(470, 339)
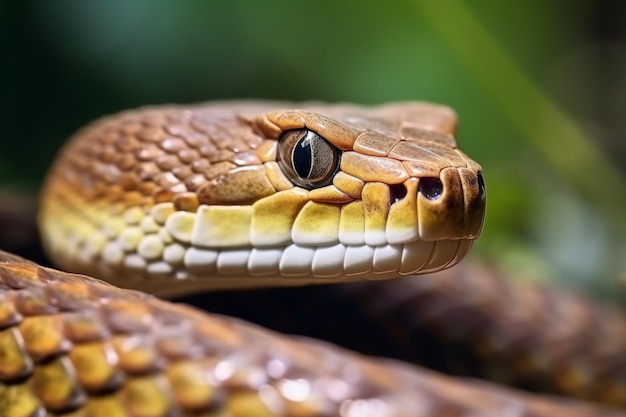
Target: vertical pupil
point(302, 158)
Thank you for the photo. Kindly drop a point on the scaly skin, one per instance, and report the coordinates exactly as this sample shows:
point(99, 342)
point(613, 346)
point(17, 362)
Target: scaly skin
point(179, 199)
point(197, 195)
point(71, 345)
point(539, 338)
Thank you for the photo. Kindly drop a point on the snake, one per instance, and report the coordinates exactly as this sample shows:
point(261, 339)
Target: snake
point(172, 200)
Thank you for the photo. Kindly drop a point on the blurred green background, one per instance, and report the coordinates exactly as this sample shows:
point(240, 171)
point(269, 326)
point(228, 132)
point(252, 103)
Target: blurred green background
point(540, 88)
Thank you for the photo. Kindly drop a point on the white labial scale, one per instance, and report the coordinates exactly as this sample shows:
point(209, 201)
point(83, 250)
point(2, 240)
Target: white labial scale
point(160, 212)
point(180, 225)
point(135, 262)
point(233, 262)
point(296, 261)
point(328, 261)
point(133, 215)
point(174, 254)
point(200, 261)
point(415, 255)
point(151, 247)
point(358, 260)
point(401, 236)
point(165, 236)
point(387, 258)
point(112, 227)
point(444, 252)
point(222, 226)
point(264, 261)
point(113, 253)
point(375, 237)
point(160, 268)
point(92, 247)
point(130, 238)
point(148, 225)
point(351, 238)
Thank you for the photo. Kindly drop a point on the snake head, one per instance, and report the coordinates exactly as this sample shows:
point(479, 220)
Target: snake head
point(258, 193)
point(388, 177)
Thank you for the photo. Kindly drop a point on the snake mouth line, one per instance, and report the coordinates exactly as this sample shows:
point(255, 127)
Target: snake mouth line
point(331, 261)
point(205, 269)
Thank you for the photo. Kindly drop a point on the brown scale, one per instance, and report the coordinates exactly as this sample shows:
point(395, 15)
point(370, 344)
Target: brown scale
point(194, 147)
point(116, 157)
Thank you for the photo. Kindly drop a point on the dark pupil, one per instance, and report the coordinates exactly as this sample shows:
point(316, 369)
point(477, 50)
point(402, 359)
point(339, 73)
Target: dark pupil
point(302, 157)
point(308, 158)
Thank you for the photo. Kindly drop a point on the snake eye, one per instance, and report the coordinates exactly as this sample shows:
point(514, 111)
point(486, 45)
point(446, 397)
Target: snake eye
point(307, 158)
point(431, 188)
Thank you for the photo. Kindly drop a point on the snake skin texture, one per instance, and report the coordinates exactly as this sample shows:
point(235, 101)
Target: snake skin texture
point(71, 345)
point(179, 199)
point(538, 338)
point(470, 320)
point(199, 195)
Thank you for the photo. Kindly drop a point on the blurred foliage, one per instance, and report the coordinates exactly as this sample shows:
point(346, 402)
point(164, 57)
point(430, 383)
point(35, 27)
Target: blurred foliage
point(539, 88)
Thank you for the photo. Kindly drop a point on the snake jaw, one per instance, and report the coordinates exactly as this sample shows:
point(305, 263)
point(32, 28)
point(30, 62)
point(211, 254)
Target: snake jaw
point(199, 194)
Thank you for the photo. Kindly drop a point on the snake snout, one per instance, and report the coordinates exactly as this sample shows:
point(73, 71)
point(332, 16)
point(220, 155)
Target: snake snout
point(451, 206)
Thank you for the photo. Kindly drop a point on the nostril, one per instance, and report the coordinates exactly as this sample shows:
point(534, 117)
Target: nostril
point(482, 191)
point(431, 188)
point(397, 191)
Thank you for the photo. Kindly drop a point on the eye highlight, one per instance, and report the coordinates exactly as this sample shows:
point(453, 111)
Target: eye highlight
point(307, 159)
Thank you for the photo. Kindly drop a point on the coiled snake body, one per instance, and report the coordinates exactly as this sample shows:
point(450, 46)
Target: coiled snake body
point(178, 199)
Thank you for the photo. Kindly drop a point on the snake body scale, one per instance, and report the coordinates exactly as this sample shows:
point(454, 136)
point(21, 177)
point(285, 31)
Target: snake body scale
point(179, 199)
